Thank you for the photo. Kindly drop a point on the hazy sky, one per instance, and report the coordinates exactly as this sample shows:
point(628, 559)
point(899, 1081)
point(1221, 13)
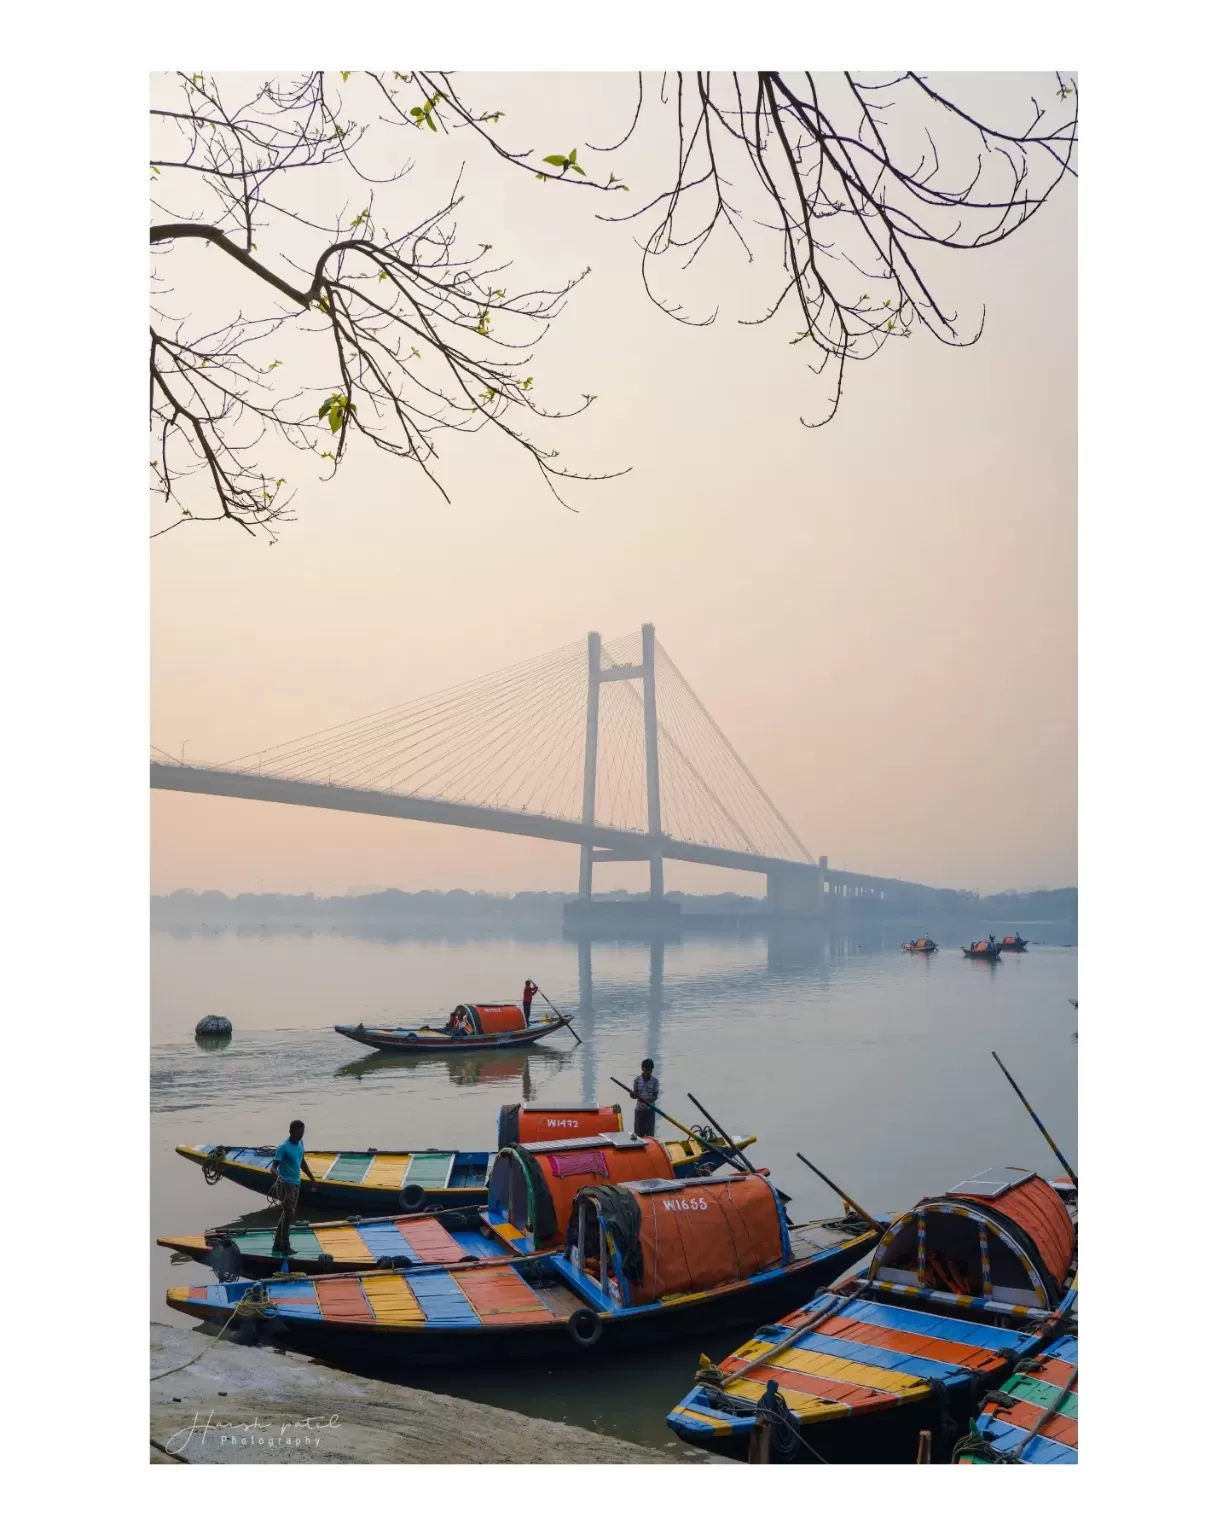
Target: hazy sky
point(880, 614)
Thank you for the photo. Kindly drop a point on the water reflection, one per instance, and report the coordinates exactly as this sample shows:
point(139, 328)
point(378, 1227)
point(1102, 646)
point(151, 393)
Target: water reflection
point(526, 1067)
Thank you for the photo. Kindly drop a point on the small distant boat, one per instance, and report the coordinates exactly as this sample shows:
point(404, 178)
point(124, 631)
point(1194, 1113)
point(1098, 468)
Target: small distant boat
point(380, 1182)
point(1012, 944)
point(925, 946)
point(213, 1024)
point(962, 1292)
point(529, 1200)
point(643, 1263)
point(477, 1027)
point(983, 949)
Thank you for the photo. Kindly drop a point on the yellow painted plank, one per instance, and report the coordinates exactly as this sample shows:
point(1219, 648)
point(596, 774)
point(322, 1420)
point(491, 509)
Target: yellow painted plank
point(391, 1299)
point(834, 1367)
point(508, 1232)
point(721, 1426)
point(387, 1171)
point(320, 1162)
point(805, 1404)
point(346, 1244)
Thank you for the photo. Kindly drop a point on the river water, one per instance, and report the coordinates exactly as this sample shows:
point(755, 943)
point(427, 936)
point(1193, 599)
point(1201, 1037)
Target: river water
point(874, 1063)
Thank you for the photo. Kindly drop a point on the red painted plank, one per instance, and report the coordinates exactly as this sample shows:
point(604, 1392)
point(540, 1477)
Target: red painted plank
point(949, 1351)
point(342, 1300)
point(429, 1240)
point(856, 1399)
point(501, 1296)
point(1028, 1416)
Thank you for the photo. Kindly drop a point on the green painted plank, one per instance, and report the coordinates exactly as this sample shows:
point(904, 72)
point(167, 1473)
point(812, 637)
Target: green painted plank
point(430, 1169)
point(1043, 1393)
point(350, 1167)
point(259, 1243)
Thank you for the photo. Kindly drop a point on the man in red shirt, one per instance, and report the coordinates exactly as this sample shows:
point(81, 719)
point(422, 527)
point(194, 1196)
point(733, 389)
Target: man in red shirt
point(530, 992)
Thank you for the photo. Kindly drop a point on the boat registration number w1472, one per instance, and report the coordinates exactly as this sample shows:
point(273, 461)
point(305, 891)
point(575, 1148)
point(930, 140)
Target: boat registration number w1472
point(695, 1203)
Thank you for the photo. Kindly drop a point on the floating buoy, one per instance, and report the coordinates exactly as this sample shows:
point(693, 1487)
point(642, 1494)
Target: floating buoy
point(214, 1024)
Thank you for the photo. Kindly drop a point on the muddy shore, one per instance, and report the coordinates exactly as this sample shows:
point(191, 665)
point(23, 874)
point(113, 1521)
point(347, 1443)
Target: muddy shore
point(243, 1405)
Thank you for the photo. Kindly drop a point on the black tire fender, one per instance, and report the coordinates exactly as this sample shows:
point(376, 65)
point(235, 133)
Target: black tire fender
point(412, 1198)
point(584, 1327)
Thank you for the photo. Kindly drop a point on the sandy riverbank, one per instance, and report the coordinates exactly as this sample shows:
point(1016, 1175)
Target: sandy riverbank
point(261, 1405)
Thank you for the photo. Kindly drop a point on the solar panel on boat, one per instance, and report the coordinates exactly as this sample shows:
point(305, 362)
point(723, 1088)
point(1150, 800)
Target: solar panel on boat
point(992, 1183)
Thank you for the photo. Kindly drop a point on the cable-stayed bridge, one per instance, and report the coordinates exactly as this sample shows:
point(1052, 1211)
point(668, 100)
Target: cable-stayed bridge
point(601, 745)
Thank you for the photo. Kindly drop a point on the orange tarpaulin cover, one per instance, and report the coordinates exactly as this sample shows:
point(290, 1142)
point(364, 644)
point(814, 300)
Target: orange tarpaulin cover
point(556, 1124)
point(706, 1234)
point(498, 1018)
point(1038, 1209)
point(645, 1160)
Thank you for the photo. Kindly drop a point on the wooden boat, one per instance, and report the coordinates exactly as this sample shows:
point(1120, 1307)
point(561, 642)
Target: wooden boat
point(960, 1293)
point(1012, 944)
point(925, 946)
point(480, 1027)
point(983, 949)
point(644, 1261)
point(379, 1182)
point(531, 1190)
point(1033, 1417)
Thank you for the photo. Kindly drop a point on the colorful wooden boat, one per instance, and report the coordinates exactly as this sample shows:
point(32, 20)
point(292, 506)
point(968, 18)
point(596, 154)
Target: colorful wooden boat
point(925, 946)
point(473, 1027)
point(380, 1182)
point(1012, 944)
point(983, 949)
point(960, 1293)
point(644, 1261)
point(1033, 1417)
point(531, 1191)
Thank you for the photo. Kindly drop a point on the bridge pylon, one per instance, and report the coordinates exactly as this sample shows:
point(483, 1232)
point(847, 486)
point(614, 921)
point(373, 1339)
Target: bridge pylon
point(598, 675)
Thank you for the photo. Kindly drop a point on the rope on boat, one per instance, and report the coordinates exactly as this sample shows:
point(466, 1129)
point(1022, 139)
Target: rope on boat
point(213, 1165)
point(253, 1303)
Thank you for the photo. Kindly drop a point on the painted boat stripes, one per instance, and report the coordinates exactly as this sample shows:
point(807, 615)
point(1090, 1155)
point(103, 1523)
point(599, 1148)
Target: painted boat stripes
point(341, 1300)
point(350, 1167)
point(443, 1302)
point(391, 1300)
point(1043, 1393)
point(429, 1242)
point(1042, 1450)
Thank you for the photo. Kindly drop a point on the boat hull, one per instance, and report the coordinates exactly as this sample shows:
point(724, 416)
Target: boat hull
point(466, 1187)
point(377, 1348)
point(437, 1043)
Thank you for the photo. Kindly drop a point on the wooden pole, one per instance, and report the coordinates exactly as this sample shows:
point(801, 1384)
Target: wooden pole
point(559, 1011)
point(924, 1447)
point(852, 1204)
point(1053, 1144)
point(724, 1135)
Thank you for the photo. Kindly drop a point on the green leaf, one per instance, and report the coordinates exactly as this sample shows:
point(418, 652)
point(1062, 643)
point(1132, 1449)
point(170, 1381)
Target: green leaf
point(572, 157)
point(430, 123)
point(579, 169)
point(275, 364)
point(345, 75)
point(555, 160)
point(361, 219)
point(381, 277)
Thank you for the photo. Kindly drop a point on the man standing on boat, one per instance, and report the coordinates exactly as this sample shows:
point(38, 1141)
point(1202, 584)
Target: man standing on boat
point(289, 1165)
point(646, 1090)
point(530, 992)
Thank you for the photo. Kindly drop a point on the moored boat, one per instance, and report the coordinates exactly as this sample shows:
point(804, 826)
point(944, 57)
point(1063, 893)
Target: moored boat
point(472, 1027)
point(643, 1260)
point(1033, 1417)
point(380, 1182)
point(1012, 944)
point(983, 949)
point(960, 1292)
point(925, 946)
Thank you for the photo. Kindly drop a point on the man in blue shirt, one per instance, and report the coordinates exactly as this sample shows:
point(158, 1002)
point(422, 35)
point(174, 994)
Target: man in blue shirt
point(646, 1089)
point(288, 1164)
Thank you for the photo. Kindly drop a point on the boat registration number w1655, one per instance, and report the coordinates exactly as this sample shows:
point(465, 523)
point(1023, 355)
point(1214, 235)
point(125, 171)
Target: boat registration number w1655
point(695, 1203)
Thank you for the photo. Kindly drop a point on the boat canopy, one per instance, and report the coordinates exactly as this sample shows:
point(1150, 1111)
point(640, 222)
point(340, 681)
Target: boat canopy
point(1005, 1235)
point(492, 1018)
point(981, 947)
point(674, 1237)
point(533, 1185)
point(555, 1122)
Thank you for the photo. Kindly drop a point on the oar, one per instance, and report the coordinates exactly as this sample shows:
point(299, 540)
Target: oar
point(852, 1204)
point(1053, 1144)
point(559, 1011)
point(711, 1120)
